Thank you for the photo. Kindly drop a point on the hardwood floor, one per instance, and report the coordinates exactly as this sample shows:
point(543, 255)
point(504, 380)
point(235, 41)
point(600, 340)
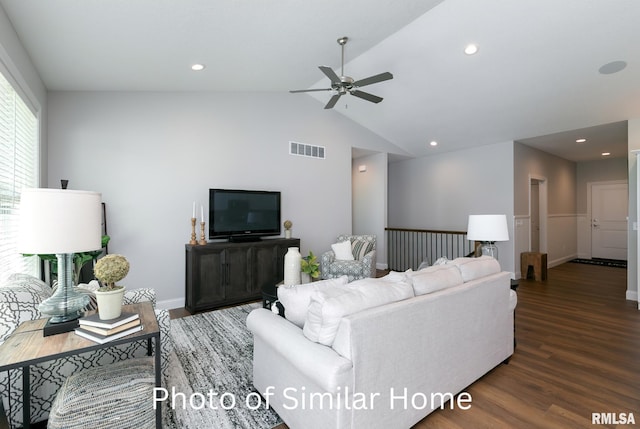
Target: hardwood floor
point(578, 353)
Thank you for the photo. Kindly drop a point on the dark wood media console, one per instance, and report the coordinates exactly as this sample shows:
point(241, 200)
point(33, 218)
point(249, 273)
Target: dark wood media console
point(224, 273)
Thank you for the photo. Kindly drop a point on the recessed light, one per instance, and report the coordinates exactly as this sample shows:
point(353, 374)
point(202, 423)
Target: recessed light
point(197, 67)
point(581, 140)
point(433, 143)
point(606, 153)
point(471, 49)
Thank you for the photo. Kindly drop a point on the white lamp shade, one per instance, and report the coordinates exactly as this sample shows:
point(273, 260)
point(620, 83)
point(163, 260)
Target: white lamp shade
point(487, 228)
point(56, 221)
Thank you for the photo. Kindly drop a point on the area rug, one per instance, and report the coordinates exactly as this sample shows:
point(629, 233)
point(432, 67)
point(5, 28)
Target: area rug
point(212, 366)
point(599, 261)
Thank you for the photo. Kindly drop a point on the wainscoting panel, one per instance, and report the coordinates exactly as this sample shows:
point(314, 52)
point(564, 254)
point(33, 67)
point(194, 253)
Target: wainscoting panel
point(584, 236)
point(562, 240)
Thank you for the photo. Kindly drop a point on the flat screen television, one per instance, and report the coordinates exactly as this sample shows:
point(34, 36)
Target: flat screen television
point(243, 214)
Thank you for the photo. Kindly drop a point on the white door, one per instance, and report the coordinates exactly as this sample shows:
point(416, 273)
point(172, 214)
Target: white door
point(609, 221)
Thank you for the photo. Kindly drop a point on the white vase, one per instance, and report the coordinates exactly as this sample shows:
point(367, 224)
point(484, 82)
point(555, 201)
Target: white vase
point(292, 267)
point(110, 303)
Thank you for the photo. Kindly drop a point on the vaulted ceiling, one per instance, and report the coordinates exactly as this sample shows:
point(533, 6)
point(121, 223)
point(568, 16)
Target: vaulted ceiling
point(537, 72)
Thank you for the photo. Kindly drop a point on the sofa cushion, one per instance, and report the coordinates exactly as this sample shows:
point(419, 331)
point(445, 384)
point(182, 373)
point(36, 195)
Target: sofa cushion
point(474, 268)
point(435, 278)
point(329, 305)
point(343, 251)
point(295, 299)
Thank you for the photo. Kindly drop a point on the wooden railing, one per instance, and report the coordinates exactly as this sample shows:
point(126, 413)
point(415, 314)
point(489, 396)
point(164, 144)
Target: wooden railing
point(408, 248)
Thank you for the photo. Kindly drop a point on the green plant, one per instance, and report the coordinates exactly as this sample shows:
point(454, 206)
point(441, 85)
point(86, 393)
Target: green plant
point(79, 259)
point(309, 264)
point(111, 269)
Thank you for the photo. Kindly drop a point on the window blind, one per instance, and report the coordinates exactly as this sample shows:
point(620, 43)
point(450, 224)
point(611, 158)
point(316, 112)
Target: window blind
point(18, 170)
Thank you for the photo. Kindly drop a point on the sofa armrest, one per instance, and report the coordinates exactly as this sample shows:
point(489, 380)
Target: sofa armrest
point(320, 363)
point(326, 260)
point(369, 263)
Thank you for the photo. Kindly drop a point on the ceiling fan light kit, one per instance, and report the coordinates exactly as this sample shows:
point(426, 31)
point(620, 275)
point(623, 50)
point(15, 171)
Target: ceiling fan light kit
point(341, 85)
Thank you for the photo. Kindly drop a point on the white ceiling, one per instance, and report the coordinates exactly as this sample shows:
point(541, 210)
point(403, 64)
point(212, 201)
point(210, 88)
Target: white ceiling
point(536, 73)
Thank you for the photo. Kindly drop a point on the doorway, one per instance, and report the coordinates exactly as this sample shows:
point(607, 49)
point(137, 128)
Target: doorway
point(537, 214)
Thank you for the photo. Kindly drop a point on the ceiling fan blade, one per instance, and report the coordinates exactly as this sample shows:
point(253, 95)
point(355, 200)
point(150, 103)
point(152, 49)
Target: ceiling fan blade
point(366, 96)
point(332, 102)
point(328, 71)
point(309, 90)
point(373, 79)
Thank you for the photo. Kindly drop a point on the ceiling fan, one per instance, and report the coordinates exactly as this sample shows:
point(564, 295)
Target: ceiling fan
point(345, 84)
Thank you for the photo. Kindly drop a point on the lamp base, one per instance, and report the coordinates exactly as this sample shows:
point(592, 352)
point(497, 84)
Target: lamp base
point(53, 328)
point(489, 248)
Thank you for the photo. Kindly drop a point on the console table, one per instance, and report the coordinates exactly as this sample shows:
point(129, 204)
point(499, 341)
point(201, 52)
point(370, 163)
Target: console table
point(225, 273)
point(26, 346)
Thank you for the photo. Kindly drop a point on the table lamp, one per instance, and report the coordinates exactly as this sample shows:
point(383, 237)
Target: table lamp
point(60, 222)
point(488, 229)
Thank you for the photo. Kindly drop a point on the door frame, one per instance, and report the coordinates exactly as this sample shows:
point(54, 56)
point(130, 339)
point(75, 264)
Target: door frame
point(542, 208)
point(589, 217)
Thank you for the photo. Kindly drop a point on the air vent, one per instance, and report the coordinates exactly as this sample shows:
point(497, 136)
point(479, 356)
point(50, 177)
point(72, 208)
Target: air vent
point(309, 150)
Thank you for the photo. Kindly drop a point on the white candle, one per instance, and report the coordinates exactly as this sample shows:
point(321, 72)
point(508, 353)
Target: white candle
point(193, 214)
point(201, 214)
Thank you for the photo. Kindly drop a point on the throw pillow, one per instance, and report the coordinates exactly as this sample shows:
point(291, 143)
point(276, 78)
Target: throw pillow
point(360, 248)
point(329, 306)
point(342, 251)
point(435, 278)
point(295, 299)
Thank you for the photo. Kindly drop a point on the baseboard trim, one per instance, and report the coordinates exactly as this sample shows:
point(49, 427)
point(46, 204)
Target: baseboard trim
point(556, 262)
point(170, 304)
point(632, 295)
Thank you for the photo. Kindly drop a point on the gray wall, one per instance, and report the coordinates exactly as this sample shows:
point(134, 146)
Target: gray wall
point(370, 201)
point(604, 170)
point(561, 220)
point(441, 191)
point(153, 154)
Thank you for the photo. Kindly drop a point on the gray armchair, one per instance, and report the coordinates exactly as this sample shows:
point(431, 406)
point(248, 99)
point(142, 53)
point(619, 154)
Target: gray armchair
point(363, 248)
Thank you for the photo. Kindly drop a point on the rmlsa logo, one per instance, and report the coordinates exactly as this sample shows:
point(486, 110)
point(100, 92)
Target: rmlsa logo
point(612, 419)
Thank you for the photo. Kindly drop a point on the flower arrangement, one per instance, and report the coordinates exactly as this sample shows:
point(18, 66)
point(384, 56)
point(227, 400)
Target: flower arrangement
point(309, 265)
point(111, 269)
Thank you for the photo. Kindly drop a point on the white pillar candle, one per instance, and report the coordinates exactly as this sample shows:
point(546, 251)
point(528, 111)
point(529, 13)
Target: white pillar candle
point(193, 214)
point(201, 214)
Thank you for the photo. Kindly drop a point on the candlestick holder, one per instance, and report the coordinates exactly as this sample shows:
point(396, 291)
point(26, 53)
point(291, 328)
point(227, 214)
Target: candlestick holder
point(193, 241)
point(202, 240)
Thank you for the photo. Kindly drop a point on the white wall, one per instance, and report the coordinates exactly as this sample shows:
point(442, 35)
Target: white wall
point(370, 201)
point(153, 154)
point(441, 191)
point(633, 284)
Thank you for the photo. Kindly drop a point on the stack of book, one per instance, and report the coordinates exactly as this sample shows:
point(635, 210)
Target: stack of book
point(102, 331)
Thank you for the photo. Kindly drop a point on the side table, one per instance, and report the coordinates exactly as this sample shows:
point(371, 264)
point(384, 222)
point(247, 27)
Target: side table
point(26, 347)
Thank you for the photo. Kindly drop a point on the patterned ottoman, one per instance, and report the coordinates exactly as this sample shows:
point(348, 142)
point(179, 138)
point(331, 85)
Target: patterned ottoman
point(114, 396)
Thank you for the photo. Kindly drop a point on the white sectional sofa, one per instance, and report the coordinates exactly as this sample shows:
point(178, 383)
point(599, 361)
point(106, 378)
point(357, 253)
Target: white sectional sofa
point(382, 353)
